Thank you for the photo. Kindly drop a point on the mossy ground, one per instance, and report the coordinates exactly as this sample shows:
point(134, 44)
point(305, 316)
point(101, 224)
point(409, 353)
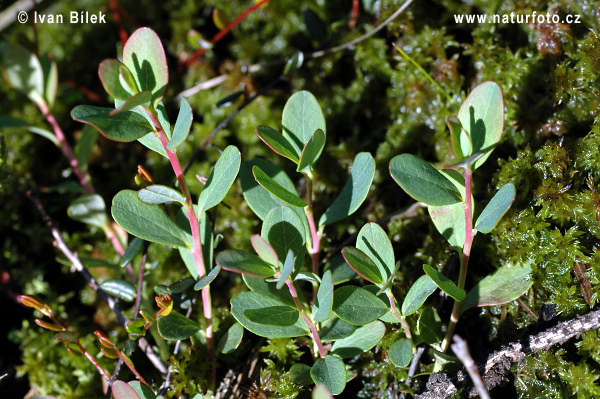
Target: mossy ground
point(374, 100)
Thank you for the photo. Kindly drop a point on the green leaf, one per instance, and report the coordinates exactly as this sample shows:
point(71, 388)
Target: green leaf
point(127, 80)
point(260, 200)
point(118, 288)
point(50, 79)
point(289, 197)
point(330, 371)
point(141, 98)
point(357, 306)
point(108, 70)
point(264, 250)
point(277, 142)
point(449, 220)
point(220, 179)
point(283, 229)
point(85, 145)
point(444, 283)
point(286, 271)
point(505, 285)
point(300, 374)
point(125, 126)
point(181, 286)
point(301, 118)
point(417, 294)
point(121, 390)
point(159, 194)
point(400, 352)
point(89, 209)
point(182, 125)
point(482, 116)
point(311, 152)
point(321, 309)
point(460, 140)
point(341, 272)
point(362, 265)
point(362, 340)
point(144, 56)
point(134, 248)
point(235, 260)
point(23, 71)
point(281, 316)
point(255, 300)
point(208, 278)
point(142, 390)
point(231, 339)
point(176, 326)
point(354, 192)
point(268, 288)
point(148, 222)
point(429, 326)
point(335, 329)
point(422, 181)
point(495, 209)
point(374, 242)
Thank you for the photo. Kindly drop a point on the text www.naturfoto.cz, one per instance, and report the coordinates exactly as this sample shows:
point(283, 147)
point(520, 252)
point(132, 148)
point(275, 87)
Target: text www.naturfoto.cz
point(514, 18)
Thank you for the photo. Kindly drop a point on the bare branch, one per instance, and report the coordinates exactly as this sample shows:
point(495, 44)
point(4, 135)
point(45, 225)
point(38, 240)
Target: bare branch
point(460, 349)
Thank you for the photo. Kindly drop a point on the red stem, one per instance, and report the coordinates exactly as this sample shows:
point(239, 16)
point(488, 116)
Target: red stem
point(225, 31)
point(197, 250)
point(398, 316)
point(464, 264)
point(354, 15)
point(117, 17)
point(309, 323)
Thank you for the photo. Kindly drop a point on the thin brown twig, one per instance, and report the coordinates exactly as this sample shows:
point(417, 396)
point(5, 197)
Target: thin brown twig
point(461, 350)
point(76, 262)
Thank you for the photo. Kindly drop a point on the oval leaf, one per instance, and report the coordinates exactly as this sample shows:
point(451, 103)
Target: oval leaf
point(286, 271)
point(482, 117)
point(362, 265)
point(159, 194)
point(89, 209)
point(301, 118)
point(496, 208)
point(300, 374)
point(449, 220)
point(142, 390)
point(220, 180)
point(208, 278)
point(23, 71)
point(400, 352)
point(311, 152)
point(141, 98)
point(148, 222)
point(125, 126)
point(417, 294)
point(277, 142)
point(144, 55)
point(505, 285)
point(182, 125)
point(273, 316)
point(335, 329)
point(374, 242)
point(330, 371)
point(231, 339)
point(134, 248)
point(429, 326)
point(176, 326)
point(118, 288)
point(121, 390)
point(264, 250)
point(362, 340)
point(254, 300)
point(321, 309)
point(422, 181)
point(283, 229)
point(108, 71)
point(354, 192)
point(444, 283)
point(357, 306)
point(235, 260)
point(289, 197)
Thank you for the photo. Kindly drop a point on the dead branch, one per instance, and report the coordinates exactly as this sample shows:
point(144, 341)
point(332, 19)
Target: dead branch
point(493, 369)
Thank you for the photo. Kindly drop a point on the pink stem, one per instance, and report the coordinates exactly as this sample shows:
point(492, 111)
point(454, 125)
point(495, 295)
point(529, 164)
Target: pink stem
point(315, 247)
point(309, 323)
point(197, 250)
point(397, 315)
point(464, 264)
